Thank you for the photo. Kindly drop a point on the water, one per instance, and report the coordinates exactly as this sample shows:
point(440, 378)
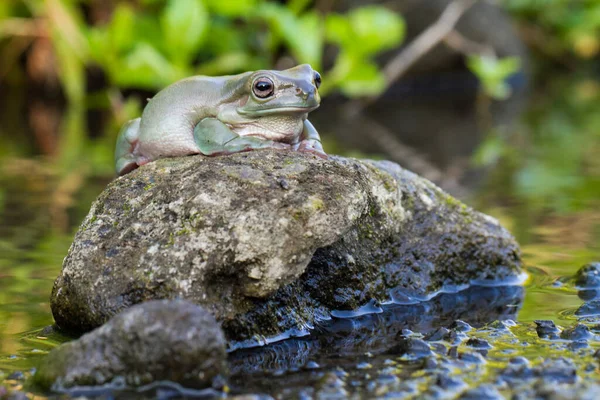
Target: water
point(540, 179)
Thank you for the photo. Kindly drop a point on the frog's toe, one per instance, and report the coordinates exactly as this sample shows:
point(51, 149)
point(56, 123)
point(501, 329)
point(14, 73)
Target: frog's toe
point(125, 165)
point(311, 146)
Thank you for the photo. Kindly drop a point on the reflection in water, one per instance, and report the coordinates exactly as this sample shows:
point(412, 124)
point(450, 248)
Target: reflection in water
point(376, 333)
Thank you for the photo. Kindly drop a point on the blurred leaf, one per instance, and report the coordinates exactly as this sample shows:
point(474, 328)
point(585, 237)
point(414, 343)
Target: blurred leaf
point(231, 8)
point(338, 29)
point(5, 9)
point(493, 72)
point(146, 67)
point(231, 38)
point(73, 140)
point(586, 44)
point(358, 78)
point(376, 28)
point(298, 6)
point(562, 26)
point(121, 28)
point(490, 151)
point(226, 64)
point(366, 30)
point(303, 34)
point(71, 48)
point(184, 25)
point(360, 35)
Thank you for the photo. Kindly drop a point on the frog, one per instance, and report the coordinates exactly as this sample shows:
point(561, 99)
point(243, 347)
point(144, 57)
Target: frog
point(214, 116)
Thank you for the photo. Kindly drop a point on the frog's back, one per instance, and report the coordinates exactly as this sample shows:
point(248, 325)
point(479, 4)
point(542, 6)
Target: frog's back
point(169, 118)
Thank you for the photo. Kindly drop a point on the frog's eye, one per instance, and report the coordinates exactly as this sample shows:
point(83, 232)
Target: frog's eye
point(317, 79)
point(263, 87)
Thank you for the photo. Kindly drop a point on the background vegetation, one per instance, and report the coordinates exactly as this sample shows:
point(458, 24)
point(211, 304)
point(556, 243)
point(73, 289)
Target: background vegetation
point(73, 71)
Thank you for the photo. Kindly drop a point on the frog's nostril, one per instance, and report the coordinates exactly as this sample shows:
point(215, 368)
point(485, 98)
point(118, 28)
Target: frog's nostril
point(301, 93)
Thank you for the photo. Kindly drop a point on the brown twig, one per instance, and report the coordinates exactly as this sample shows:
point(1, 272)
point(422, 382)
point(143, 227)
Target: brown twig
point(421, 45)
point(426, 41)
point(459, 43)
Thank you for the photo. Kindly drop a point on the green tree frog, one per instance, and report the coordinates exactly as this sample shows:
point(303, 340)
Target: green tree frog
point(224, 115)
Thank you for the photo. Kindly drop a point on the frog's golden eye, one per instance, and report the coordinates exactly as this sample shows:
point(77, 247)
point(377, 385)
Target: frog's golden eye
point(317, 79)
point(263, 87)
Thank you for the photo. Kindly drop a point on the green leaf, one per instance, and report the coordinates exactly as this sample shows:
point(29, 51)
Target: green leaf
point(376, 28)
point(5, 8)
point(146, 67)
point(231, 8)
point(184, 25)
point(366, 31)
point(121, 27)
point(338, 29)
point(298, 6)
point(362, 78)
point(490, 151)
point(227, 63)
point(302, 34)
point(493, 72)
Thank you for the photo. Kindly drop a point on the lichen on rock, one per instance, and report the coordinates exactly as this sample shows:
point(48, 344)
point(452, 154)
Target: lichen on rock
point(272, 242)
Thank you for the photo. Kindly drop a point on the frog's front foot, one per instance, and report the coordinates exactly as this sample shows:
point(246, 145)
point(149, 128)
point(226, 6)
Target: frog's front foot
point(214, 138)
point(311, 146)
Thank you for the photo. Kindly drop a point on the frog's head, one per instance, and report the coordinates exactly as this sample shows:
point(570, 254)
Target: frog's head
point(291, 91)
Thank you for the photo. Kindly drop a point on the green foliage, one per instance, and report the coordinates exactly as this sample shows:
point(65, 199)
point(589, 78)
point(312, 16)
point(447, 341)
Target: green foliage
point(493, 72)
point(153, 44)
point(360, 35)
point(551, 161)
point(569, 26)
point(184, 25)
point(302, 34)
point(149, 44)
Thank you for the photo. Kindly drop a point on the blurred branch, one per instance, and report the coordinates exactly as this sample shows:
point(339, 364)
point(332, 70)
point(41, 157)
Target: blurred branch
point(426, 40)
point(23, 27)
point(457, 42)
point(421, 45)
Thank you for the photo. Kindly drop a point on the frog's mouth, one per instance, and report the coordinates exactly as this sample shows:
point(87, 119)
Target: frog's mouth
point(283, 109)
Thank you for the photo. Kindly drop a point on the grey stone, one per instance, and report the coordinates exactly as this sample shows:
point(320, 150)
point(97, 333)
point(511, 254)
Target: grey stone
point(158, 340)
point(546, 329)
point(588, 276)
point(577, 332)
point(589, 308)
point(265, 259)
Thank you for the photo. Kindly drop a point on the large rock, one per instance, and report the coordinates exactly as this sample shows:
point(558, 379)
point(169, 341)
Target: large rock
point(272, 242)
point(159, 340)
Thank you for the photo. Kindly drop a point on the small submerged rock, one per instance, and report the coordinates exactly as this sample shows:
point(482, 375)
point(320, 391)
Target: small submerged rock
point(546, 329)
point(478, 343)
point(559, 370)
point(588, 276)
point(589, 308)
point(577, 332)
point(439, 334)
point(483, 392)
point(411, 347)
point(158, 340)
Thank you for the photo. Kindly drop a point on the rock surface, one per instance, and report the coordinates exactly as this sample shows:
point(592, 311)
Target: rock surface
point(158, 340)
point(273, 242)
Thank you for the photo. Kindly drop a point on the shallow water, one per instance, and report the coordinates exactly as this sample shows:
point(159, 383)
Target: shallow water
point(545, 187)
